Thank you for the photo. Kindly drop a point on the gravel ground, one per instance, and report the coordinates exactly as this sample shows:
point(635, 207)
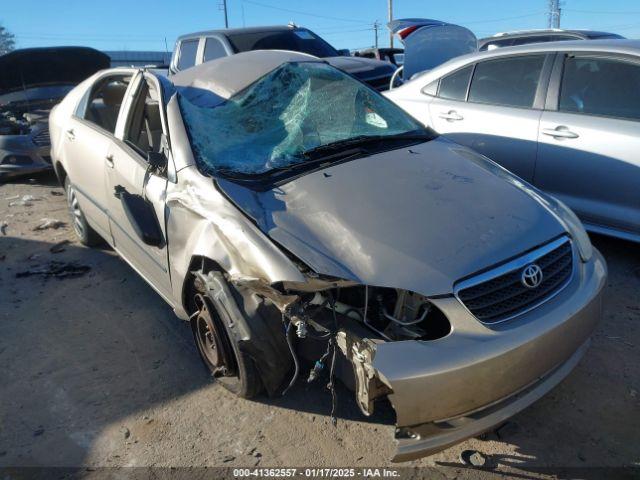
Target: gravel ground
point(96, 371)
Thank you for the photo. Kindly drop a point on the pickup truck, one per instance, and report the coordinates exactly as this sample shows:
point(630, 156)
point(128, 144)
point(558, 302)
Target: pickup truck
point(199, 47)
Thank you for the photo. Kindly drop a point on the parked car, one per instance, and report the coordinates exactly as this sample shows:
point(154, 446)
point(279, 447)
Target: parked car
point(524, 37)
point(32, 81)
point(392, 55)
point(196, 48)
point(290, 213)
point(564, 116)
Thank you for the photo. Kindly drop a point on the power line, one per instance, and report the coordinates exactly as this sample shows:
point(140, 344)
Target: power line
point(298, 12)
point(620, 27)
point(493, 20)
point(602, 12)
point(349, 31)
point(85, 35)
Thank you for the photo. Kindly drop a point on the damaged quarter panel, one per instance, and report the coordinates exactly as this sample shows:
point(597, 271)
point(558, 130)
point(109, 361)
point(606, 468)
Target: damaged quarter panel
point(202, 223)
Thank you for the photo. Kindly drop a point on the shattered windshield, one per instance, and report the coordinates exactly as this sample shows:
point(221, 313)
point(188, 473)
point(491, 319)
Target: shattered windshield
point(279, 119)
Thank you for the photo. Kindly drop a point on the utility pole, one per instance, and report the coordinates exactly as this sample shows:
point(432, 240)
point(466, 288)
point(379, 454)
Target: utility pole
point(226, 18)
point(375, 29)
point(390, 19)
point(554, 14)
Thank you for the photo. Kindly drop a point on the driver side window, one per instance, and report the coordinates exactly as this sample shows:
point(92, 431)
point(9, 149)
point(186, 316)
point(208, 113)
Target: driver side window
point(144, 129)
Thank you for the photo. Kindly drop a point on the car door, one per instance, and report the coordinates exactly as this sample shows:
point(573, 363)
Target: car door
point(140, 135)
point(494, 107)
point(87, 138)
point(589, 139)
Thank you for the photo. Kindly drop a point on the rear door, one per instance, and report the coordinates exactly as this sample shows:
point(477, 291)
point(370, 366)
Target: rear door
point(87, 138)
point(589, 142)
point(494, 107)
point(141, 132)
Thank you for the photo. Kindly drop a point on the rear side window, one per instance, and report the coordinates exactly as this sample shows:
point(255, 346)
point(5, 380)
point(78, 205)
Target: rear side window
point(187, 58)
point(103, 106)
point(213, 49)
point(600, 86)
point(508, 81)
point(454, 86)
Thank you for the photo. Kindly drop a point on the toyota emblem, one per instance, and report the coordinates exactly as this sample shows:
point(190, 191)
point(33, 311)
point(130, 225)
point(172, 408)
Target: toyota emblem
point(531, 276)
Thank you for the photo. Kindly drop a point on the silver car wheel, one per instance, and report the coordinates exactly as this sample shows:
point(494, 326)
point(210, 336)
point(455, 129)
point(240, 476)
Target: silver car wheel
point(76, 213)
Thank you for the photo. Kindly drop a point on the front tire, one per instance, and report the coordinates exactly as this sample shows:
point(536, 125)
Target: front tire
point(220, 351)
point(87, 235)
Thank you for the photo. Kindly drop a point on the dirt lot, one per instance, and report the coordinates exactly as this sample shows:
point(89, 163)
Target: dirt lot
point(96, 371)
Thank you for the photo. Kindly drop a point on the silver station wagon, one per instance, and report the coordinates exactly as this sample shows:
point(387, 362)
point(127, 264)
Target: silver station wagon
point(307, 227)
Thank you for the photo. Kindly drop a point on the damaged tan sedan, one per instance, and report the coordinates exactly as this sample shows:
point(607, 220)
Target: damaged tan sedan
point(307, 228)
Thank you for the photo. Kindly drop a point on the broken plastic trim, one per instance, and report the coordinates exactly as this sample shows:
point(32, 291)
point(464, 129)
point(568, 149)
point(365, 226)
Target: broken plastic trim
point(391, 315)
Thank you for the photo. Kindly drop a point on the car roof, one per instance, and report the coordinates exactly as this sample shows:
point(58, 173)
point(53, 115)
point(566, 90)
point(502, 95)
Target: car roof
point(612, 45)
point(234, 31)
point(525, 33)
point(615, 46)
point(227, 76)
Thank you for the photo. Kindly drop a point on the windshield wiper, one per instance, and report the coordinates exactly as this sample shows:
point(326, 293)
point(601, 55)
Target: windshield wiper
point(325, 155)
point(303, 165)
point(362, 140)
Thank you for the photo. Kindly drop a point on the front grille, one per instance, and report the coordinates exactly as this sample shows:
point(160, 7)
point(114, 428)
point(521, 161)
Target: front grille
point(42, 138)
point(500, 294)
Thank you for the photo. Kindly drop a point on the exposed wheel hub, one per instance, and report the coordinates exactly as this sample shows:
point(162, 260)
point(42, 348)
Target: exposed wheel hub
point(211, 339)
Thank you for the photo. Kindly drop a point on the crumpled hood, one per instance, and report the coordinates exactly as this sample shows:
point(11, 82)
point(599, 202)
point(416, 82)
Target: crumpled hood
point(418, 218)
point(362, 68)
point(35, 67)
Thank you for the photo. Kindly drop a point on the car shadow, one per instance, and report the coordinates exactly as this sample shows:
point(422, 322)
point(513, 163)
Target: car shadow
point(46, 178)
point(82, 353)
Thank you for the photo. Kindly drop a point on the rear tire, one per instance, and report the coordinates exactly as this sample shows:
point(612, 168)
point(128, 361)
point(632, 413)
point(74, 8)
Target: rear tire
point(219, 350)
point(87, 235)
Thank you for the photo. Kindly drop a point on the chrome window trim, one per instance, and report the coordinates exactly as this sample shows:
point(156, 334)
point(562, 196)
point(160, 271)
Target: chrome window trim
point(512, 265)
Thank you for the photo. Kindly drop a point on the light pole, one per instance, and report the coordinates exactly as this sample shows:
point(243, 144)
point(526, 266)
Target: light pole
point(375, 30)
point(390, 19)
point(226, 18)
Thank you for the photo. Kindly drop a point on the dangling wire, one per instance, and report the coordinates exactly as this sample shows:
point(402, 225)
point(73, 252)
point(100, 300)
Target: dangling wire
point(293, 355)
point(331, 385)
point(366, 302)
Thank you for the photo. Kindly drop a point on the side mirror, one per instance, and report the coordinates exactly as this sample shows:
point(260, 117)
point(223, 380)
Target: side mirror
point(344, 52)
point(157, 161)
point(142, 217)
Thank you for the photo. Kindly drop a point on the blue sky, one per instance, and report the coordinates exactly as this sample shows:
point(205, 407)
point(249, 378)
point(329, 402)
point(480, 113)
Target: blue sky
point(145, 24)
